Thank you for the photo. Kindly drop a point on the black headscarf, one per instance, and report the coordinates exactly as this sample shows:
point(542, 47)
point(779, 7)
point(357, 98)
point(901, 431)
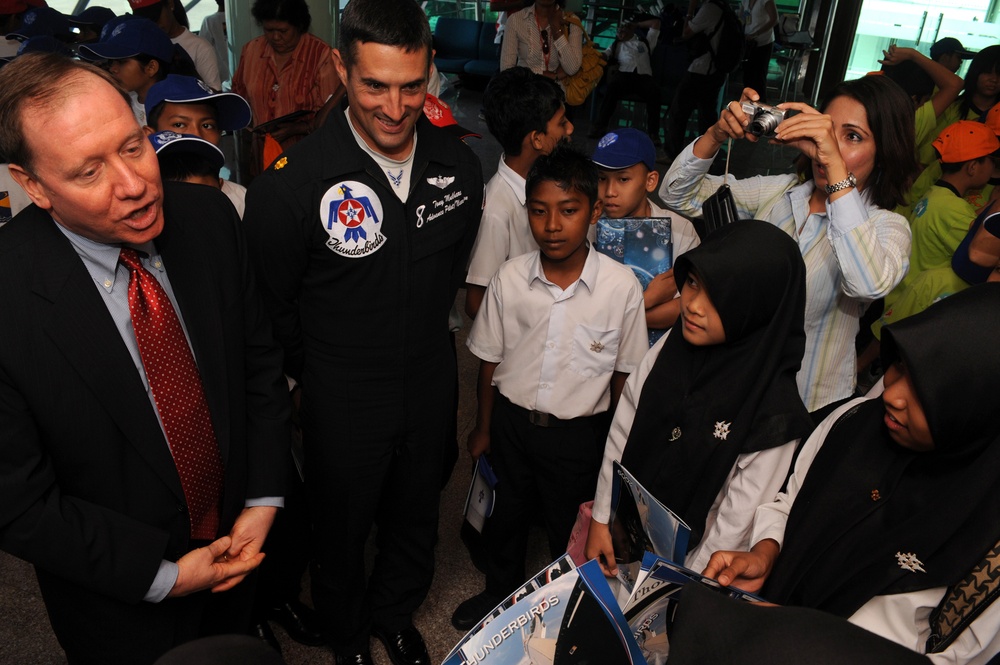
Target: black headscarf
point(701, 407)
point(865, 498)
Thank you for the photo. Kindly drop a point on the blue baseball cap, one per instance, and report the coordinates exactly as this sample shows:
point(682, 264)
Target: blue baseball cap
point(131, 38)
point(42, 21)
point(96, 16)
point(623, 148)
point(41, 44)
point(113, 23)
point(232, 110)
point(172, 143)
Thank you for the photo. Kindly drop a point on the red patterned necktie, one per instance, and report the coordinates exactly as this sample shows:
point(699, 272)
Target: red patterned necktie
point(179, 396)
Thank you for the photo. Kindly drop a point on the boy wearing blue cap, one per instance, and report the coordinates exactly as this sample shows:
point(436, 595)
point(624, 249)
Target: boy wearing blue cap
point(186, 105)
point(626, 162)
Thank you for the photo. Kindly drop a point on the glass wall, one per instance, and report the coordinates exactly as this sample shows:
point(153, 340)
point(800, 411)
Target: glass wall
point(919, 24)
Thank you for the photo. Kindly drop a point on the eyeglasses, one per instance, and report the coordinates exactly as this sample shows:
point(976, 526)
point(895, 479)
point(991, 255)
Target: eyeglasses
point(545, 41)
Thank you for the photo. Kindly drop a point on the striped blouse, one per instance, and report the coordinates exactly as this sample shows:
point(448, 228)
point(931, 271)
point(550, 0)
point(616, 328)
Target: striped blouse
point(522, 45)
point(854, 253)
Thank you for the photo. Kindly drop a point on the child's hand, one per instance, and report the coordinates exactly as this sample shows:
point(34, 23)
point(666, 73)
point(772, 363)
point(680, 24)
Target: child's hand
point(661, 289)
point(599, 547)
point(478, 443)
point(744, 570)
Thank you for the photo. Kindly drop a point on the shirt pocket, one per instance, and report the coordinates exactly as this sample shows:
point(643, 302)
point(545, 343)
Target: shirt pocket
point(594, 350)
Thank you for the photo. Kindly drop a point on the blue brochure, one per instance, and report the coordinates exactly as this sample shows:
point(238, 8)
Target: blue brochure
point(640, 524)
point(650, 609)
point(571, 618)
point(644, 244)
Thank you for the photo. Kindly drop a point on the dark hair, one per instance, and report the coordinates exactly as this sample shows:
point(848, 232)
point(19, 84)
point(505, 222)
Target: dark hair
point(181, 15)
point(292, 12)
point(567, 167)
point(162, 71)
point(39, 81)
point(909, 76)
point(517, 102)
point(400, 23)
point(984, 62)
point(949, 168)
point(179, 166)
point(891, 119)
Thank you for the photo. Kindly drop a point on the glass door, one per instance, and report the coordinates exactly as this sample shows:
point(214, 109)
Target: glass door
point(919, 24)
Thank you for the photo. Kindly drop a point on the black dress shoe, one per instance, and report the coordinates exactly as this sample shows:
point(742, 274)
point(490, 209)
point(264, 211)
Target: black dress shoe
point(262, 631)
point(473, 610)
point(405, 647)
point(300, 622)
point(357, 659)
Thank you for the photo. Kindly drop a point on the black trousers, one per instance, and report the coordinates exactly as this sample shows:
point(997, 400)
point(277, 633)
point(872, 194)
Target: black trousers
point(758, 58)
point(374, 450)
point(631, 84)
point(288, 549)
point(695, 91)
point(546, 470)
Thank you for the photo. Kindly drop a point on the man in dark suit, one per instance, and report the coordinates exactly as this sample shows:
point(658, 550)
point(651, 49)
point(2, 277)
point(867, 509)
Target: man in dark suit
point(129, 513)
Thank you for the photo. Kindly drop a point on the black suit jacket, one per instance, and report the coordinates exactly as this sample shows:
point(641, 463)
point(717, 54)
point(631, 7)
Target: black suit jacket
point(88, 490)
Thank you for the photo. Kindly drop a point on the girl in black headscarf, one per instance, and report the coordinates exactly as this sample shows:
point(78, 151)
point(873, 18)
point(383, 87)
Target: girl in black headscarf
point(709, 422)
point(895, 499)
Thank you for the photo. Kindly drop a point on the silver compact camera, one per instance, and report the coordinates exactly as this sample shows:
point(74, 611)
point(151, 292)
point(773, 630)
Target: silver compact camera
point(764, 119)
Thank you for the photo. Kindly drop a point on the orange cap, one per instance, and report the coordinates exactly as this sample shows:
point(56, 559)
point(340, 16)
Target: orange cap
point(965, 140)
point(993, 119)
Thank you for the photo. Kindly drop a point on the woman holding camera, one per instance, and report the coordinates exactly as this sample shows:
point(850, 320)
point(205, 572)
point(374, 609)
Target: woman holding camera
point(857, 162)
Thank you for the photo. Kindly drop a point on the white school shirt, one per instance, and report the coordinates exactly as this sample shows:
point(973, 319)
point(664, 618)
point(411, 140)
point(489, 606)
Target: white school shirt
point(633, 54)
point(213, 31)
point(237, 194)
point(854, 253)
point(504, 231)
point(755, 478)
point(557, 348)
point(903, 618)
point(203, 55)
point(755, 12)
point(705, 21)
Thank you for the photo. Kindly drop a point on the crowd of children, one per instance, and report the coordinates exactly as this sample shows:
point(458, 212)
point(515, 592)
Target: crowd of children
point(712, 417)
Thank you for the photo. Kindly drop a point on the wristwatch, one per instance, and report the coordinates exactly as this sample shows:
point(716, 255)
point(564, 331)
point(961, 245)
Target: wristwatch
point(849, 181)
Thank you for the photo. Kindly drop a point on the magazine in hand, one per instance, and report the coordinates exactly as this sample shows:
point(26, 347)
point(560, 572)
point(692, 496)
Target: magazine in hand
point(562, 615)
point(481, 499)
point(645, 244)
point(650, 609)
point(640, 523)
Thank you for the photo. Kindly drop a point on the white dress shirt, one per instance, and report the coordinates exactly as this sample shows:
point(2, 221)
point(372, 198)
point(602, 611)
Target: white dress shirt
point(557, 349)
point(504, 231)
